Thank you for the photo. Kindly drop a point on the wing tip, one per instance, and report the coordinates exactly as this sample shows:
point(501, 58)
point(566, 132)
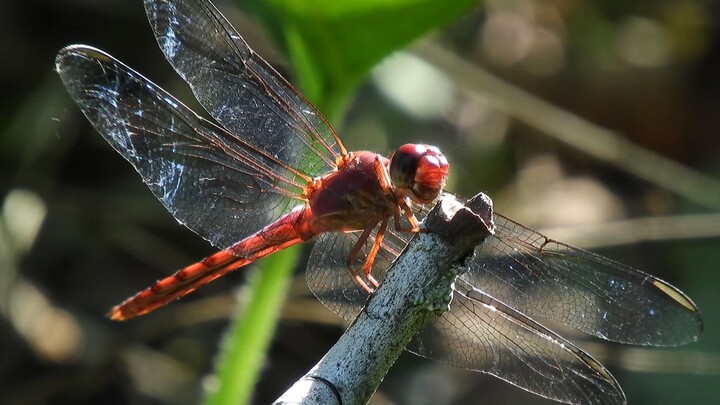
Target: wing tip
point(79, 50)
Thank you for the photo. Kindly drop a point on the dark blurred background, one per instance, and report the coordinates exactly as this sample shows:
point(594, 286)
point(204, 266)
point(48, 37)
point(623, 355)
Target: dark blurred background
point(628, 164)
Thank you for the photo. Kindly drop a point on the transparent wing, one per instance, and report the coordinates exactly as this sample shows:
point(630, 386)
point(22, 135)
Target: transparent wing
point(327, 273)
point(211, 181)
point(238, 88)
point(328, 276)
point(482, 334)
point(478, 333)
point(544, 278)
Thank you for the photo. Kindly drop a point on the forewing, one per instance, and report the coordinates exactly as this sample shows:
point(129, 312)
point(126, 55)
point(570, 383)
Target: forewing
point(238, 88)
point(210, 180)
point(548, 279)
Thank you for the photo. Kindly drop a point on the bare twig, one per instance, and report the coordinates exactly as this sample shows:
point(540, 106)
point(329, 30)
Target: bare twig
point(416, 289)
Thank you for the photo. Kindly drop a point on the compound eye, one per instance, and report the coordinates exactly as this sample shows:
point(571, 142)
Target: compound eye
point(403, 165)
point(420, 171)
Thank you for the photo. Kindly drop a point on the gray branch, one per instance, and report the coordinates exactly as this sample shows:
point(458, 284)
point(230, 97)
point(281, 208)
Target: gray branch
point(416, 288)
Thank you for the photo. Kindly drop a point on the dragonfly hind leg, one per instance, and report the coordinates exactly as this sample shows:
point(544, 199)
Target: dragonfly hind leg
point(349, 262)
point(359, 278)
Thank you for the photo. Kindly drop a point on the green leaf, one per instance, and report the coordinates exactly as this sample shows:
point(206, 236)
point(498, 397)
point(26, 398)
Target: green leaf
point(333, 44)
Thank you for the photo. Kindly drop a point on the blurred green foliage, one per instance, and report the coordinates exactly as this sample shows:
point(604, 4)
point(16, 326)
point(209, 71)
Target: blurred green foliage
point(334, 44)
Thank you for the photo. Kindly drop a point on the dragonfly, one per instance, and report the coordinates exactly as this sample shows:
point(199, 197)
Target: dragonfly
point(270, 172)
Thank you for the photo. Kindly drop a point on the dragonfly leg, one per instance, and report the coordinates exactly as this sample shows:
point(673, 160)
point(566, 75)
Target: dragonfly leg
point(351, 259)
point(414, 224)
point(370, 259)
point(383, 176)
point(402, 203)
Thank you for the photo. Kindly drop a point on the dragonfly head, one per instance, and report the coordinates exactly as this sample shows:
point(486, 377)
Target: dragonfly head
point(419, 171)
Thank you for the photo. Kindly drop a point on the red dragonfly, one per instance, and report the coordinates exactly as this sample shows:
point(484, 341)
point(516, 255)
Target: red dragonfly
point(273, 173)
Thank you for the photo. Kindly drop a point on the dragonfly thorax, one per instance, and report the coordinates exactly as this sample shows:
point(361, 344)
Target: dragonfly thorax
point(353, 197)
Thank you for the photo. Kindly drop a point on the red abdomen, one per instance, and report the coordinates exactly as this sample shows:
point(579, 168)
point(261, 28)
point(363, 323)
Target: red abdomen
point(290, 229)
